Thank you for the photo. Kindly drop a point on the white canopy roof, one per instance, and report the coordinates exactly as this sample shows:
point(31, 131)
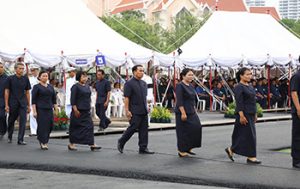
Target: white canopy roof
point(230, 38)
point(47, 27)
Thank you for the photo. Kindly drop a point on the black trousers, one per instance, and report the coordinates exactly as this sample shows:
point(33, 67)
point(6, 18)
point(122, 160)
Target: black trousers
point(137, 123)
point(3, 125)
point(100, 111)
point(14, 113)
point(296, 138)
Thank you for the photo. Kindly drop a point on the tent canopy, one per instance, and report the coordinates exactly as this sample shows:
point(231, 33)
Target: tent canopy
point(230, 38)
point(48, 27)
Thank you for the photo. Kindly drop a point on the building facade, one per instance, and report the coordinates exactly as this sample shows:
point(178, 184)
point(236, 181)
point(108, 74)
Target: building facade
point(289, 9)
point(255, 3)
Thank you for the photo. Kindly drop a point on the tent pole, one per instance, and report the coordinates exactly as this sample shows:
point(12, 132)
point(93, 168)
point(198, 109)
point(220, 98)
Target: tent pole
point(174, 82)
point(210, 88)
point(154, 85)
point(269, 87)
point(289, 88)
point(126, 66)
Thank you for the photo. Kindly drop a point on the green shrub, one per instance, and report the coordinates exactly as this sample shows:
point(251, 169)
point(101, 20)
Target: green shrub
point(230, 112)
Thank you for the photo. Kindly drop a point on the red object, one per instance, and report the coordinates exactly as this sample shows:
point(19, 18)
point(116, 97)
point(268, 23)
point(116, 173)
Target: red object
point(269, 87)
point(266, 10)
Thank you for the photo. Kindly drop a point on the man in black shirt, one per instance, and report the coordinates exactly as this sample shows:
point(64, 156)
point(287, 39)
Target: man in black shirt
point(17, 102)
point(103, 89)
point(3, 126)
point(135, 92)
point(295, 89)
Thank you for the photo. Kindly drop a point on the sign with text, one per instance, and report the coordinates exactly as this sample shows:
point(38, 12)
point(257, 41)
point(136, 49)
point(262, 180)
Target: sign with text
point(100, 60)
point(81, 61)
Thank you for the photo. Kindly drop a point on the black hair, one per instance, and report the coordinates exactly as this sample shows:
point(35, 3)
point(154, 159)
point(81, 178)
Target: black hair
point(241, 72)
point(184, 72)
point(134, 68)
point(40, 74)
point(79, 74)
point(116, 83)
point(102, 71)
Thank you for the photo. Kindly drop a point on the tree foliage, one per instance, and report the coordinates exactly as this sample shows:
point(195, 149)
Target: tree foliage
point(132, 25)
point(293, 25)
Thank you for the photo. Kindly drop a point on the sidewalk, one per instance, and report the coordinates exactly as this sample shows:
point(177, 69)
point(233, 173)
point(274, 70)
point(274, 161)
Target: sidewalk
point(208, 119)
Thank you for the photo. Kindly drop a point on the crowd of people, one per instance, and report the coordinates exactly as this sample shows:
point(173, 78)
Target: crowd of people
point(18, 98)
point(222, 90)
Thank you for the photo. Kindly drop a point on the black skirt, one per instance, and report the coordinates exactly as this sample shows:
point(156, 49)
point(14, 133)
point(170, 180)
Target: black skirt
point(81, 129)
point(244, 137)
point(44, 124)
point(189, 132)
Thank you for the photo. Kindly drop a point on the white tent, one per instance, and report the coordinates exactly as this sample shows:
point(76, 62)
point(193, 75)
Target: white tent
point(230, 38)
point(47, 27)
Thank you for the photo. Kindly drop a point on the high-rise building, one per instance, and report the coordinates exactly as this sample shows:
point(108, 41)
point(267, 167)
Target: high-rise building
point(289, 9)
point(255, 3)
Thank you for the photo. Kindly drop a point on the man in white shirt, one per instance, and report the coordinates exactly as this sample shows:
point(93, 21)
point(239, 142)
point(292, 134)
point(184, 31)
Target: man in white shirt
point(33, 79)
point(69, 83)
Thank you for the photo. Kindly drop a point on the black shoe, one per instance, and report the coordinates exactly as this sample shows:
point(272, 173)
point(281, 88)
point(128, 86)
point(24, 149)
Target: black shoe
point(146, 151)
point(228, 154)
point(71, 149)
point(255, 162)
point(191, 153)
point(296, 165)
point(9, 141)
point(120, 147)
point(22, 143)
point(101, 129)
point(94, 148)
point(33, 135)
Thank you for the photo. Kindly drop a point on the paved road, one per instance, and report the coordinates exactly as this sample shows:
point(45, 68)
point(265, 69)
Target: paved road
point(209, 167)
point(22, 179)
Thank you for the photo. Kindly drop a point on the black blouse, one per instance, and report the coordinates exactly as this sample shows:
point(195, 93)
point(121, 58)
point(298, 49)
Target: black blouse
point(43, 97)
point(245, 98)
point(81, 96)
point(186, 97)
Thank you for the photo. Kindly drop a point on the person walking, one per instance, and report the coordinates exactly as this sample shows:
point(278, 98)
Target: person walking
point(295, 93)
point(244, 133)
point(81, 129)
point(3, 125)
point(17, 102)
point(135, 92)
point(43, 102)
point(188, 126)
point(103, 92)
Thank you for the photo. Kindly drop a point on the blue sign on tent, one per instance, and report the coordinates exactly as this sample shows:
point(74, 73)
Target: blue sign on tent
point(100, 60)
point(81, 61)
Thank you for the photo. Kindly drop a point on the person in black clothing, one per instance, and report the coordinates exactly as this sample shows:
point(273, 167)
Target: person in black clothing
point(244, 134)
point(261, 94)
point(135, 92)
point(3, 125)
point(43, 101)
point(276, 96)
point(188, 126)
point(81, 129)
point(17, 102)
point(295, 90)
point(103, 89)
point(284, 90)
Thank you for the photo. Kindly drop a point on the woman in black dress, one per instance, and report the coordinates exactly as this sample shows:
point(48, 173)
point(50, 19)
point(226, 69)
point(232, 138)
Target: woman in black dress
point(43, 102)
point(244, 134)
point(188, 126)
point(81, 129)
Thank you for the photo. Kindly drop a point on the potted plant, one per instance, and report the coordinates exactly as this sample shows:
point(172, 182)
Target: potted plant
point(61, 121)
point(230, 112)
point(160, 115)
